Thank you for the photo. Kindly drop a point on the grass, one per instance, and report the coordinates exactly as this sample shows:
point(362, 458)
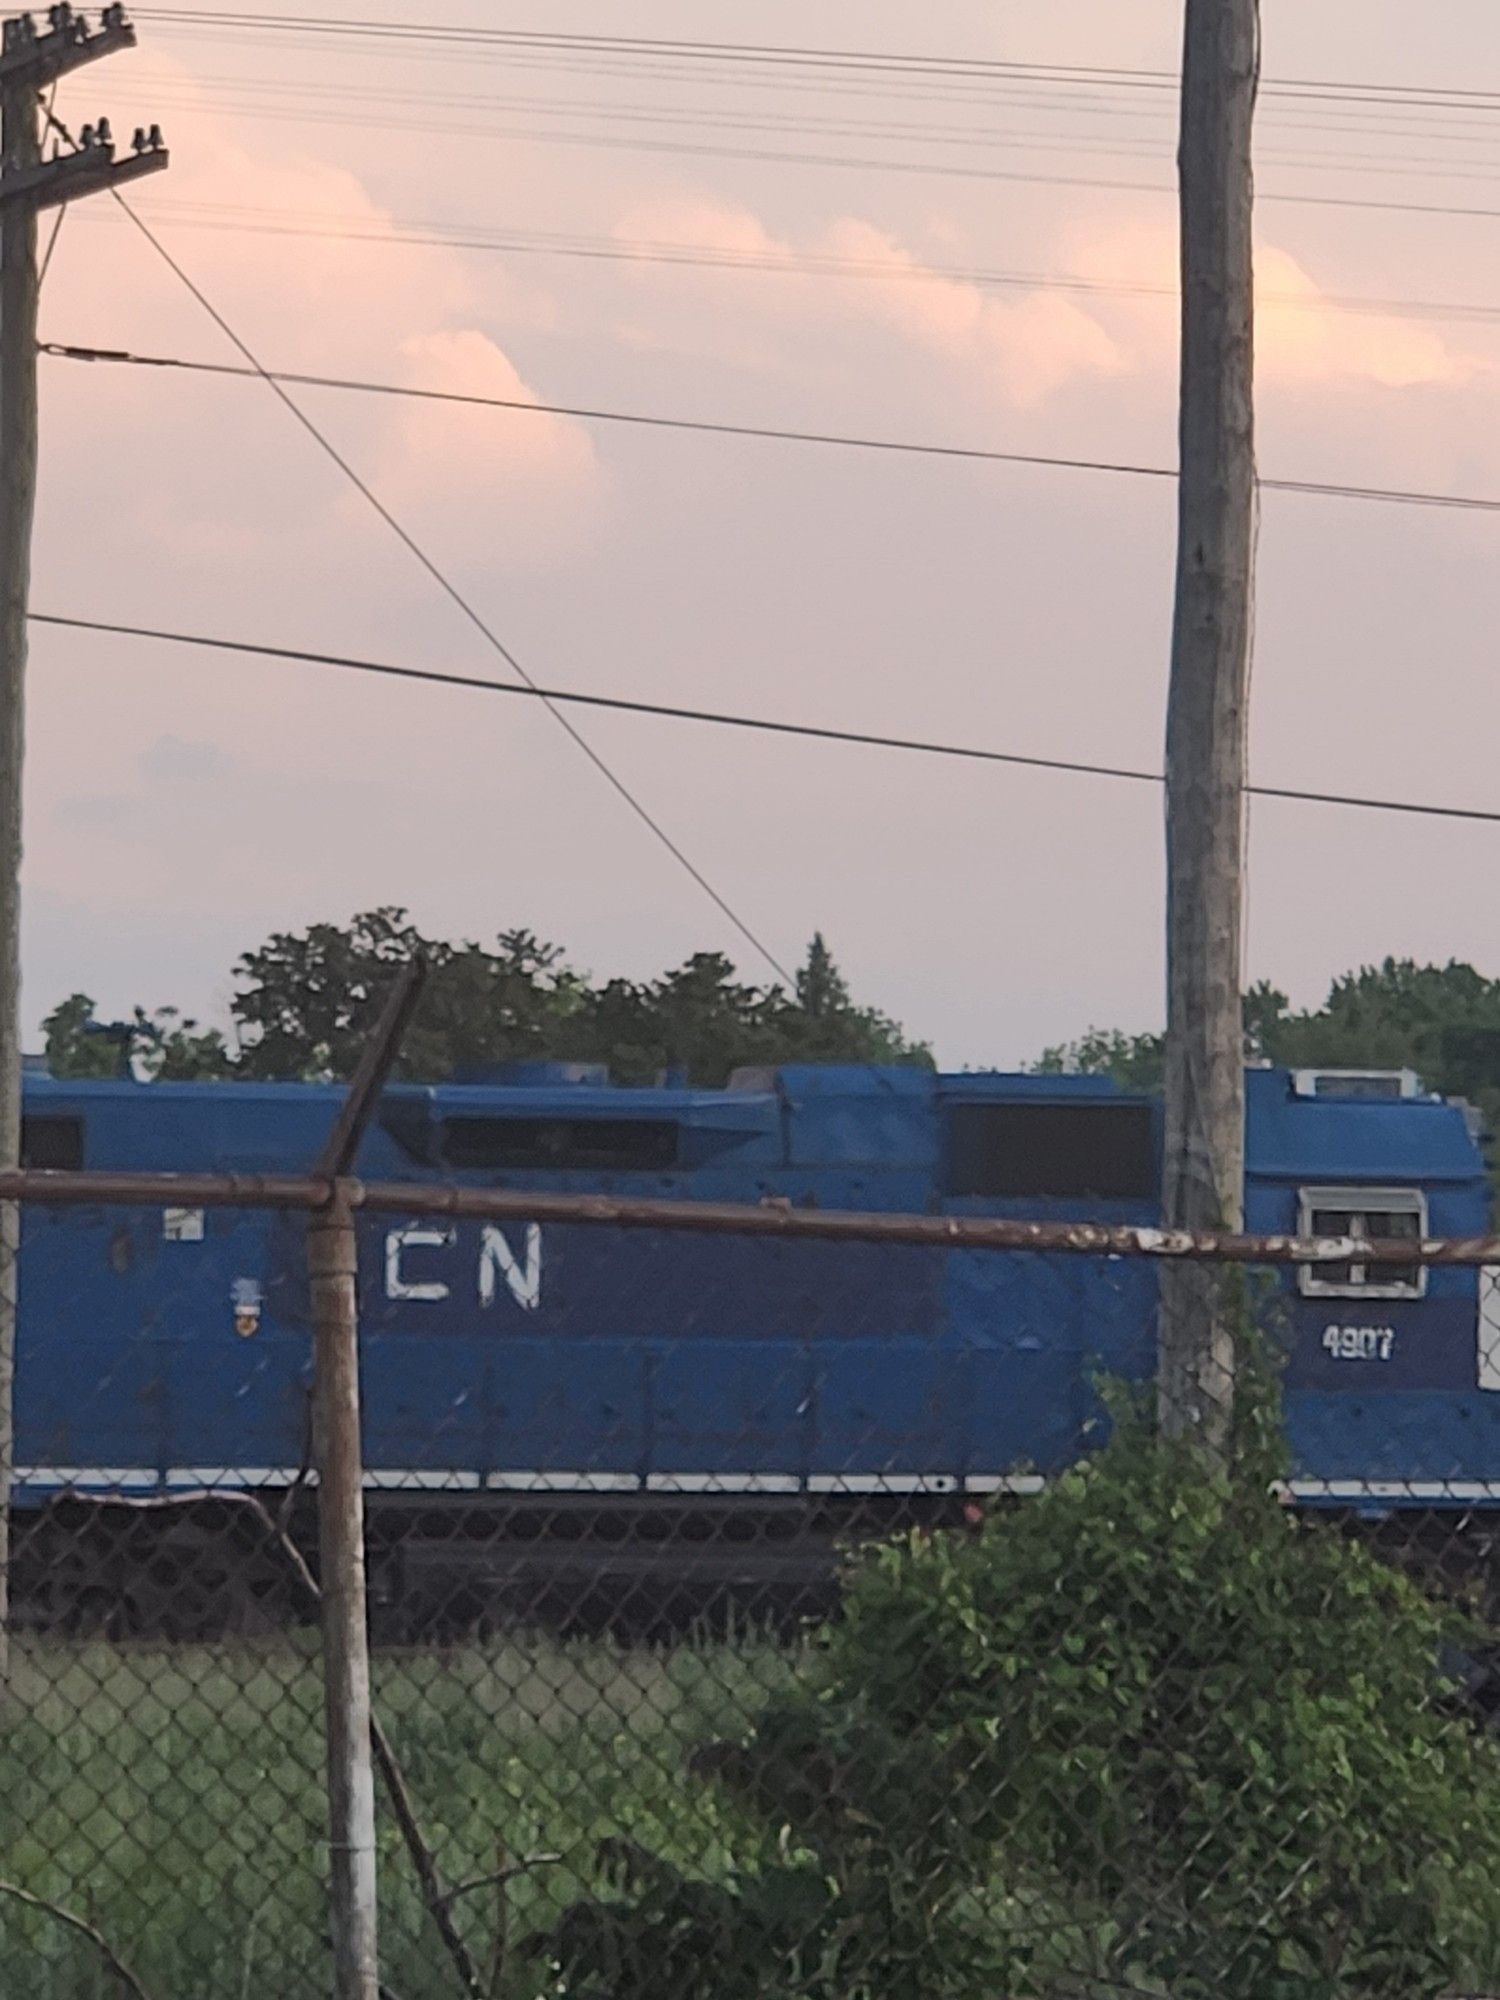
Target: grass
point(173, 1797)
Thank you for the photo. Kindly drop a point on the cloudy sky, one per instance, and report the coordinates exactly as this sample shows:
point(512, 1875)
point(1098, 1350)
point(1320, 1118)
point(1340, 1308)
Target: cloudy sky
point(181, 804)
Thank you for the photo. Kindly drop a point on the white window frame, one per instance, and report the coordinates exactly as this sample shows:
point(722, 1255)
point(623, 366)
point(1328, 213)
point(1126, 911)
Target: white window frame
point(1358, 1203)
point(1408, 1084)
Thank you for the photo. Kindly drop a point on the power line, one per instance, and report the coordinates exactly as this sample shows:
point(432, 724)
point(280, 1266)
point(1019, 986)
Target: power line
point(1031, 93)
point(637, 46)
point(1380, 97)
point(873, 163)
point(248, 95)
point(1010, 92)
point(451, 590)
point(1115, 76)
point(441, 235)
point(718, 718)
point(1322, 489)
point(1373, 120)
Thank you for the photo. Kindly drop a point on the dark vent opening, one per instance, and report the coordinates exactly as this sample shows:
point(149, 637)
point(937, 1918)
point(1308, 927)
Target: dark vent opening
point(52, 1142)
point(1062, 1151)
point(558, 1144)
point(410, 1125)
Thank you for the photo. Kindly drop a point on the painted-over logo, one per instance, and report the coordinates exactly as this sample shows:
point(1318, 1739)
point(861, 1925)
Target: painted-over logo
point(502, 1269)
point(246, 1298)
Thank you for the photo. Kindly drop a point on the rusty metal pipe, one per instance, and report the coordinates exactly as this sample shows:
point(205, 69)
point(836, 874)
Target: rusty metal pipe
point(773, 1218)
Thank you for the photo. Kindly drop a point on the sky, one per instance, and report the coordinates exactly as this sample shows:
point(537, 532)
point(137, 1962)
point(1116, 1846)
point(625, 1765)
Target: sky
point(181, 804)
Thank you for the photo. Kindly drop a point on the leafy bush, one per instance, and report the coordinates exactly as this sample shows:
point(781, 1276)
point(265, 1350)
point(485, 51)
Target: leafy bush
point(1148, 1732)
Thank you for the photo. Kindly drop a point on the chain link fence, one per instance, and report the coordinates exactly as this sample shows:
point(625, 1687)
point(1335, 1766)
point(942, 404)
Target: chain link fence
point(741, 1623)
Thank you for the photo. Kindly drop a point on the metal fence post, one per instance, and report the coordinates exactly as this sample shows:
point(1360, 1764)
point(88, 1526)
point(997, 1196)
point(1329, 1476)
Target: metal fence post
point(332, 1270)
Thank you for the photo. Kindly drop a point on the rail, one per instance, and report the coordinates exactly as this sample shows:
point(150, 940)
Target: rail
point(775, 1217)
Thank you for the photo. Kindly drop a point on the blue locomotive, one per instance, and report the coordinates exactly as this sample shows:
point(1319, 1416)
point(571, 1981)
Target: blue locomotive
point(544, 1402)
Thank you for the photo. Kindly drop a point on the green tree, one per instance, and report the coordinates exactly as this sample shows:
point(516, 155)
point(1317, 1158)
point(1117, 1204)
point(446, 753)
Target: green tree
point(1134, 1061)
point(163, 1043)
point(305, 1003)
point(307, 1000)
point(1441, 1020)
point(75, 1046)
point(821, 1022)
point(177, 1049)
point(702, 1019)
point(698, 1018)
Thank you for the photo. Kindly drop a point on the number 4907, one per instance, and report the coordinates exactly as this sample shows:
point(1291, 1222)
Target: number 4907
point(1359, 1343)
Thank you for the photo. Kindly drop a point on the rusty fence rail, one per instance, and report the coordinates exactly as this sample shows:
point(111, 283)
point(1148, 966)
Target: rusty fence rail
point(775, 1218)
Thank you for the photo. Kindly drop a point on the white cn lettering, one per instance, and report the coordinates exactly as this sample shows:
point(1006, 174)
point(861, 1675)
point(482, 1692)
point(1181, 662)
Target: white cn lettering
point(523, 1281)
point(400, 1240)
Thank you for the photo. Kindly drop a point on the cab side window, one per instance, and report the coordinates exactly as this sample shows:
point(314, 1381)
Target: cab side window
point(1378, 1215)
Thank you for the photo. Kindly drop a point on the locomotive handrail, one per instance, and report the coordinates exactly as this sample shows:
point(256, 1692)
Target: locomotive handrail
point(775, 1217)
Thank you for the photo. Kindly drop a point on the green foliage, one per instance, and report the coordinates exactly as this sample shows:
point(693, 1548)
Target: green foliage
point(1148, 1733)
point(73, 1049)
point(306, 1001)
point(1441, 1020)
point(1134, 1061)
point(163, 1044)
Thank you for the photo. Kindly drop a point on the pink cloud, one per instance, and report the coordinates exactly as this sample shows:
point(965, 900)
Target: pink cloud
point(342, 303)
point(1020, 351)
point(495, 478)
point(1303, 336)
point(1025, 349)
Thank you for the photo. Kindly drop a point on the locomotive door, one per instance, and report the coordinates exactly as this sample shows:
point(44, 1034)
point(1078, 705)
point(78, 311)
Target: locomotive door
point(90, 1353)
point(1037, 1330)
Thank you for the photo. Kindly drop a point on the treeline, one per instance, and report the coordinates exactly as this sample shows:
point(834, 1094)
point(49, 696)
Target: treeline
point(1443, 1021)
point(304, 1002)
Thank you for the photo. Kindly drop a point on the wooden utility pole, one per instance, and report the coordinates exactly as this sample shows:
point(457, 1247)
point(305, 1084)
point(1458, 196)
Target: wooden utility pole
point(1203, 1177)
point(31, 59)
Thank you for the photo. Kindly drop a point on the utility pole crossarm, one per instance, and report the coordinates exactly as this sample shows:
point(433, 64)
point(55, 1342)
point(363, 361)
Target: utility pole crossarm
point(67, 44)
point(71, 175)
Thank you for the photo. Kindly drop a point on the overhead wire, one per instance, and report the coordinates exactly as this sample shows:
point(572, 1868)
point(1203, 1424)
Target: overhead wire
point(550, 696)
point(1379, 122)
point(62, 208)
point(1380, 98)
point(723, 719)
point(1033, 95)
point(554, 698)
point(191, 90)
point(635, 47)
point(873, 163)
point(438, 234)
point(1007, 92)
point(249, 95)
point(52, 235)
point(1323, 489)
point(457, 597)
point(1421, 167)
